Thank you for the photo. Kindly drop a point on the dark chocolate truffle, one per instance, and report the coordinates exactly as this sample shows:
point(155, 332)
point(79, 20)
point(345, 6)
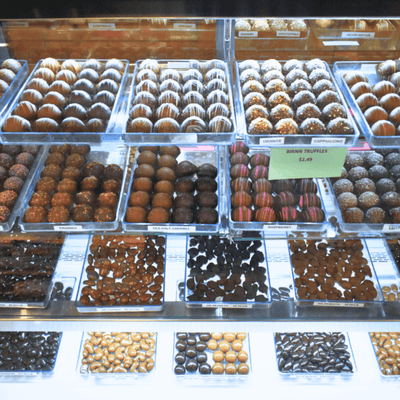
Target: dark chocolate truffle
point(347, 200)
point(368, 200)
point(385, 185)
point(184, 200)
point(375, 215)
point(82, 213)
point(364, 185)
point(207, 215)
point(353, 215)
point(183, 216)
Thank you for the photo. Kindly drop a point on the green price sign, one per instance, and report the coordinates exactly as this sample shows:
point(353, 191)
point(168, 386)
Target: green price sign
point(290, 163)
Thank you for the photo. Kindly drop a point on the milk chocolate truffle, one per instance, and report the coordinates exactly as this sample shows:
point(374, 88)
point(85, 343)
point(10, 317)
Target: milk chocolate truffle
point(378, 172)
point(309, 200)
point(256, 111)
point(262, 185)
point(375, 215)
point(46, 184)
point(243, 214)
point(394, 214)
point(286, 126)
point(144, 170)
point(35, 214)
point(54, 158)
point(39, 84)
point(158, 215)
point(111, 185)
point(67, 186)
point(353, 215)
point(90, 74)
point(8, 198)
point(383, 128)
point(146, 157)
point(278, 98)
point(367, 100)
point(172, 150)
point(15, 123)
point(312, 126)
point(238, 147)
point(40, 199)
point(95, 125)
point(313, 214)
point(184, 185)
point(184, 200)
point(26, 159)
point(327, 97)
point(82, 213)
point(81, 97)
point(139, 199)
point(85, 197)
point(63, 149)
point(265, 214)
point(263, 199)
point(108, 200)
point(74, 110)
point(58, 214)
point(250, 100)
point(365, 185)
point(281, 111)
point(368, 200)
point(25, 109)
point(135, 215)
point(72, 124)
point(61, 87)
point(373, 159)
point(62, 200)
point(45, 125)
point(185, 168)
point(104, 214)
point(163, 200)
point(207, 215)
point(295, 74)
point(19, 170)
point(164, 187)
point(241, 198)
point(303, 97)
point(143, 183)
point(165, 174)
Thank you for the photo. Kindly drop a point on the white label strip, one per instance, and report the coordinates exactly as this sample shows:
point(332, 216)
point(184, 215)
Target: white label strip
point(16, 24)
point(172, 228)
point(358, 35)
point(67, 228)
point(328, 140)
point(180, 25)
point(238, 305)
point(280, 227)
point(288, 34)
point(1, 228)
point(391, 228)
point(178, 64)
point(14, 305)
point(336, 304)
point(272, 140)
point(341, 43)
point(101, 27)
point(120, 309)
point(248, 34)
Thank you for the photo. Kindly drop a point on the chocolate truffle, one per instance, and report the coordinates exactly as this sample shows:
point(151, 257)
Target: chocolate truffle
point(184, 185)
point(390, 199)
point(139, 199)
point(145, 171)
point(263, 199)
point(368, 200)
point(162, 200)
point(260, 126)
point(182, 216)
point(85, 197)
point(374, 159)
point(207, 170)
point(365, 185)
point(313, 214)
point(357, 173)
point(206, 184)
point(375, 215)
point(62, 200)
point(207, 215)
point(90, 183)
point(164, 187)
point(35, 214)
point(378, 172)
point(238, 147)
point(207, 199)
point(285, 199)
point(347, 200)
point(394, 214)
point(58, 214)
point(6, 161)
point(4, 214)
point(184, 200)
point(241, 198)
point(19, 170)
point(40, 199)
point(93, 169)
point(82, 213)
point(353, 215)
point(172, 150)
point(75, 160)
point(343, 185)
point(353, 160)
point(67, 186)
point(135, 215)
point(309, 200)
point(333, 111)
point(385, 185)
point(242, 214)
point(165, 174)
point(185, 168)
point(104, 214)
point(26, 159)
point(259, 172)
point(167, 161)
point(46, 184)
point(306, 185)
point(262, 185)
point(143, 184)
point(340, 126)
point(283, 185)
point(312, 126)
point(14, 183)
point(108, 200)
point(111, 185)
point(81, 149)
point(71, 173)
point(288, 214)
point(158, 215)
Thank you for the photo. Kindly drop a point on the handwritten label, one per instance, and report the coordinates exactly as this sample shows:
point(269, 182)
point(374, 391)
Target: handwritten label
point(358, 35)
point(16, 24)
point(178, 64)
point(324, 141)
point(288, 34)
point(120, 309)
point(280, 227)
point(297, 163)
point(337, 304)
point(172, 228)
point(341, 43)
point(180, 25)
point(67, 228)
point(391, 228)
point(272, 140)
point(101, 27)
point(248, 34)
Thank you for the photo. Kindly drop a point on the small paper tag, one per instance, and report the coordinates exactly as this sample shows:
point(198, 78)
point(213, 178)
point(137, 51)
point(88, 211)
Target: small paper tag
point(336, 304)
point(391, 228)
point(341, 43)
point(288, 34)
point(67, 228)
point(358, 35)
point(16, 24)
point(171, 228)
point(178, 64)
point(237, 306)
point(248, 34)
point(120, 309)
point(180, 25)
point(101, 27)
point(211, 305)
point(272, 140)
point(328, 140)
point(280, 227)
point(14, 305)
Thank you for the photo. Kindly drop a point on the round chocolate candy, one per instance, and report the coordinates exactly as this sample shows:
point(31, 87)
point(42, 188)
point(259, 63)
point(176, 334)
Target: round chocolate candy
point(85, 85)
point(220, 124)
point(140, 125)
point(271, 64)
point(260, 126)
point(238, 147)
point(292, 64)
point(309, 200)
point(383, 128)
point(239, 158)
point(353, 215)
point(243, 214)
point(112, 74)
point(254, 98)
point(33, 96)
point(286, 126)
point(347, 200)
point(194, 110)
point(279, 112)
point(263, 199)
point(307, 111)
point(265, 214)
point(299, 85)
point(384, 185)
point(249, 75)
point(288, 214)
point(341, 186)
point(46, 125)
point(368, 200)
point(166, 125)
point(109, 85)
point(100, 111)
point(366, 101)
point(81, 97)
point(40, 85)
point(259, 172)
point(75, 110)
point(390, 101)
point(270, 75)
point(278, 98)
point(375, 215)
point(312, 126)
point(26, 109)
point(285, 199)
point(313, 214)
point(249, 64)
point(318, 74)
point(374, 114)
point(303, 97)
point(295, 74)
point(241, 184)
point(375, 159)
point(365, 185)
point(72, 124)
point(273, 86)
point(252, 86)
point(104, 97)
point(340, 126)
point(89, 74)
point(327, 97)
point(261, 185)
point(259, 159)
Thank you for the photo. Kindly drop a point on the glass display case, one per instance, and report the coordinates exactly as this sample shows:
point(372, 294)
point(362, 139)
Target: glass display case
point(235, 257)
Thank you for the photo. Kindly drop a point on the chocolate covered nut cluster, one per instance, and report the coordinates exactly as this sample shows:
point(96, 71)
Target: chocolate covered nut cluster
point(69, 96)
point(124, 270)
point(387, 350)
point(28, 351)
point(71, 188)
point(192, 100)
point(332, 270)
point(165, 190)
point(216, 353)
point(313, 352)
point(26, 268)
point(15, 163)
point(291, 98)
point(255, 198)
point(118, 352)
point(8, 71)
point(224, 270)
point(380, 103)
point(368, 190)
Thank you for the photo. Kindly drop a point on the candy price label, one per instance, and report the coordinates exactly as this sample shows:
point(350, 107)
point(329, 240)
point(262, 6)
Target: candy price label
point(391, 228)
point(247, 34)
point(358, 35)
point(288, 33)
point(330, 140)
point(67, 228)
point(272, 140)
point(337, 304)
point(297, 163)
